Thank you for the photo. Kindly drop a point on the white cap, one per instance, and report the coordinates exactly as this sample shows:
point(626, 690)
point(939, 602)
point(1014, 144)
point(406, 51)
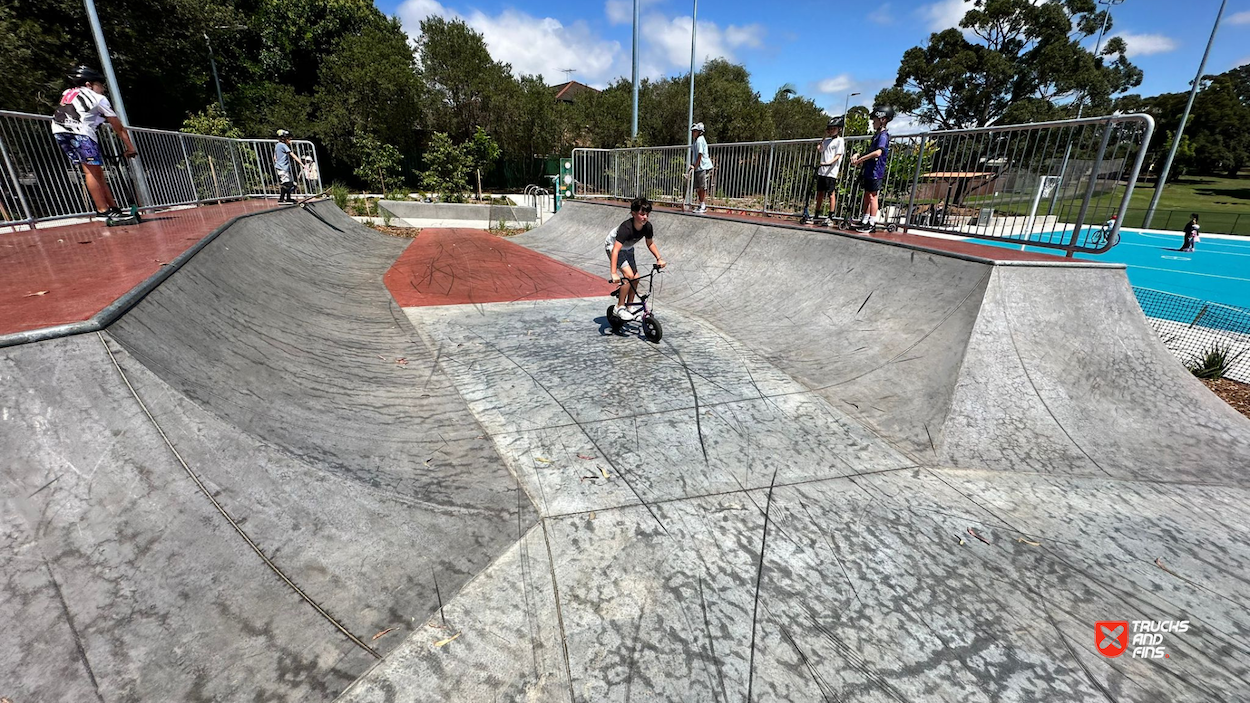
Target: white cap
point(697, 126)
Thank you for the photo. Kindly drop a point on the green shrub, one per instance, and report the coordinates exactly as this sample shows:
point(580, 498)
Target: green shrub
point(339, 192)
point(1215, 362)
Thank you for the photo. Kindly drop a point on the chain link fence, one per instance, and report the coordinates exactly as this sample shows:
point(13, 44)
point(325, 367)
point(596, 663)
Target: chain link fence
point(1192, 328)
point(38, 183)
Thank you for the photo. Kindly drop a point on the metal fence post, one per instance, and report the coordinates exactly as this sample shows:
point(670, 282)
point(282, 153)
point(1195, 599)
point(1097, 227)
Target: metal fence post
point(637, 172)
point(915, 182)
point(17, 186)
point(768, 176)
point(1089, 190)
point(238, 172)
point(186, 158)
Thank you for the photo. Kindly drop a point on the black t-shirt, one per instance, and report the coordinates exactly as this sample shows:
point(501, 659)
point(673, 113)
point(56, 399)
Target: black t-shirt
point(628, 236)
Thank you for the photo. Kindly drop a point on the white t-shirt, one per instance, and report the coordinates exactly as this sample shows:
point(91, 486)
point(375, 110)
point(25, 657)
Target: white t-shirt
point(699, 155)
point(830, 149)
point(81, 111)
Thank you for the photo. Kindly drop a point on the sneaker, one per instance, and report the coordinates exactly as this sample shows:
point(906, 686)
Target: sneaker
point(701, 209)
point(113, 213)
point(623, 313)
point(863, 226)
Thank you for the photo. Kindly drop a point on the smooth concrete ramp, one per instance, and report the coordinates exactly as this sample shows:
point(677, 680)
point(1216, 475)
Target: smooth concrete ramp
point(752, 510)
point(230, 493)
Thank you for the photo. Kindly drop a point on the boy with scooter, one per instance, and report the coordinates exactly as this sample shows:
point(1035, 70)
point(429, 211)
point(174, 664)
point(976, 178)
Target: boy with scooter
point(620, 250)
point(874, 164)
point(285, 160)
point(830, 152)
point(83, 108)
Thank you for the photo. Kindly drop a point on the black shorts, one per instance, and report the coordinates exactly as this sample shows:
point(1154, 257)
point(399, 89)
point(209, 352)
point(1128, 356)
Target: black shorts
point(870, 184)
point(826, 184)
point(625, 257)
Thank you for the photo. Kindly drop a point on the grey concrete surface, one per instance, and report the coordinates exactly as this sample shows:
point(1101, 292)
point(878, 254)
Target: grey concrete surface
point(650, 577)
point(269, 364)
point(1049, 368)
point(415, 211)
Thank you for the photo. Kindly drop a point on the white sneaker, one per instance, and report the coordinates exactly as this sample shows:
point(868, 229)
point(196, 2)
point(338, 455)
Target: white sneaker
point(701, 209)
point(623, 313)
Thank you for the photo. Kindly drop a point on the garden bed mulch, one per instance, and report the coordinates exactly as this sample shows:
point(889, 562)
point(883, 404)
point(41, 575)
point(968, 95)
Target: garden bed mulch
point(403, 232)
point(1232, 392)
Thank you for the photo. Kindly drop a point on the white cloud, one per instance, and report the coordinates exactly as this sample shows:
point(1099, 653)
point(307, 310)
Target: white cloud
point(881, 15)
point(1146, 44)
point(671, 39)
point(1240, 18)
point(533, 45)
point(622, 11)
point(838, 84)
point(943, 14)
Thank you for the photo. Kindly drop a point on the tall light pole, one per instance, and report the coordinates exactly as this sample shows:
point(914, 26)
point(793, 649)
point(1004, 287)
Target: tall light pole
point(847, 105)
point(115, 90)
point(213, 62)
point(633, 130)
point(694, 23)
point(1080, 102)
point(1180, 129)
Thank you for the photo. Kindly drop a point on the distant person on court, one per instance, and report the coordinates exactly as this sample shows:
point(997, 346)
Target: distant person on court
point(82, 109)
point(700, 164)
point(620, 249)
point(874, 164)
point(830, 150)
point(1191, 233)
point(283, 161)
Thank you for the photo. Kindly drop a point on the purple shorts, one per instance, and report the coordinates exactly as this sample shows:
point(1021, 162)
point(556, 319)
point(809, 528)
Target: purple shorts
point(82, 151)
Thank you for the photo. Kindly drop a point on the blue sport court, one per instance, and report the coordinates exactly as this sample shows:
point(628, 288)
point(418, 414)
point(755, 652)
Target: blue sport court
point(1217, 271)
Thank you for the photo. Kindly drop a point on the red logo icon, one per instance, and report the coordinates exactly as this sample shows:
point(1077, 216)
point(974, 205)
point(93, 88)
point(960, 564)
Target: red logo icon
point(1111, 637)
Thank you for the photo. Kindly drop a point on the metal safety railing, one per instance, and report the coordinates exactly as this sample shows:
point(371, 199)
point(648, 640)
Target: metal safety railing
point(1050, 184)
point(540, 199)
point(38, 182)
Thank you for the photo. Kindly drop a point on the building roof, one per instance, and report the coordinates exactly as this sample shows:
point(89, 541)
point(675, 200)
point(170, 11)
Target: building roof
point(568, 92)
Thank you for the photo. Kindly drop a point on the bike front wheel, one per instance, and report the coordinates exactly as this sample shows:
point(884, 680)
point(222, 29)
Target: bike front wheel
point(652, 330)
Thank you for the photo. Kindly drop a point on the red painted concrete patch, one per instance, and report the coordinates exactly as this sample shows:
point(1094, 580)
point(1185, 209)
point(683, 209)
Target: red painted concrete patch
point(465, 266)
point(57, 275)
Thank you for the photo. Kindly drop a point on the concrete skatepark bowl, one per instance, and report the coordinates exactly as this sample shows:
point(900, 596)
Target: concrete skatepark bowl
point(853, 470)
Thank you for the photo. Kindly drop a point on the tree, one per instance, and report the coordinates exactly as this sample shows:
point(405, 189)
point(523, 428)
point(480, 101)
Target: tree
point(482, 152)
point(794, 116)
point(857, 122)
point(368, 85)
point(378, 163)
point(727, 106)
point(212, 122)
point(1020, 52)
point(466, 86)
point(447, 168)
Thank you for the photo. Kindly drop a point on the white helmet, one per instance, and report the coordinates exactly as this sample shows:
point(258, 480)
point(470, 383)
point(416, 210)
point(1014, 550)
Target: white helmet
point(697, 127)
point(282, 134)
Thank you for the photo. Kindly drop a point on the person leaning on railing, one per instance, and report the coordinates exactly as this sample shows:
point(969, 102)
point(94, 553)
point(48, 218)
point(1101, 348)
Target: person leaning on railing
point(284, 161)
point(700, 164)
point(82, 109)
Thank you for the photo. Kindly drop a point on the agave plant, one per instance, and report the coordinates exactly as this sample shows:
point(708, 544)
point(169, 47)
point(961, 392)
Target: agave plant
point(1215, 361)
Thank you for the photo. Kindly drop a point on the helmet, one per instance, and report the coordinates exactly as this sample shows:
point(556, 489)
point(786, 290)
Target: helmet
point(83, 75)
point(882, 112)
point(283, 134)
point(697, 126)
point(838, 121)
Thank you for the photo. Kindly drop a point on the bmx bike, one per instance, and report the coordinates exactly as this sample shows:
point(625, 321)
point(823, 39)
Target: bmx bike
point(640, 308)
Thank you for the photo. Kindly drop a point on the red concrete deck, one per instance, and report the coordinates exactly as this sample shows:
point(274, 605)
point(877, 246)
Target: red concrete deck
point(964, 248)
point(57, 275)
point(459, 266)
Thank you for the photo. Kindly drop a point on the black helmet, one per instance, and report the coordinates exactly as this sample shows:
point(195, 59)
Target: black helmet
point(838, 121)
point(882, 111)
point(82, 76)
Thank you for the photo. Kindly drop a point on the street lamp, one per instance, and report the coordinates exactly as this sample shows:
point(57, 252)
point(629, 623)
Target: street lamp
point(846, 105)
point(213, 62)
point(1180, 129)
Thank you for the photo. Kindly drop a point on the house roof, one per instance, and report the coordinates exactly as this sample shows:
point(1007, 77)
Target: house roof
point(568, 91)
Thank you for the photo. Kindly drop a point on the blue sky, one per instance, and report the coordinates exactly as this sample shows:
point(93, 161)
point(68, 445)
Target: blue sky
point(824, 49)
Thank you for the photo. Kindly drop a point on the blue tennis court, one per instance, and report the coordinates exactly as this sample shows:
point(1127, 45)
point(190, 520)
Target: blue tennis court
point(1218, 270)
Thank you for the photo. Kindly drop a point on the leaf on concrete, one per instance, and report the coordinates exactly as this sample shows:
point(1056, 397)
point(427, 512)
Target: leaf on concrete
point(401, 361)
point(1159, 563)
point(449, 640)
point(542, 460)
point(604, 472)
point(382, 633)
point(584, 456)
point(974, 534)
point(1028, 542)
point(35, 294)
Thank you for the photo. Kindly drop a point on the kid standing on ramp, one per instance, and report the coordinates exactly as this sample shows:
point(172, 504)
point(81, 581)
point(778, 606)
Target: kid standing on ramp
point(83, 108)
point(620, 250)
point(874, 163)
point(831, 150)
